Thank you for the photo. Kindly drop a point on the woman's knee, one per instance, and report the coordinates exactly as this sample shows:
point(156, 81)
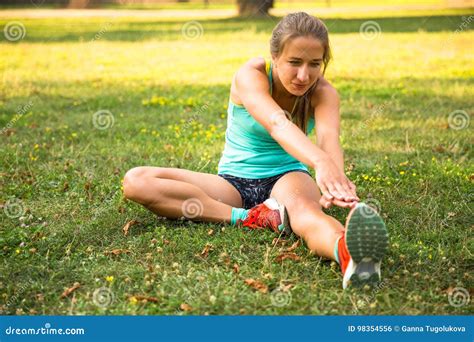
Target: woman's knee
point(307, 216)
point(135, 183)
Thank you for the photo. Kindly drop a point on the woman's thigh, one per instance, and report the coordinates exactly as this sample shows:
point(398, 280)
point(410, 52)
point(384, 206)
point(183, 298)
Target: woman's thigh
point(296, 189)
point(300, 194)
point(213, 185)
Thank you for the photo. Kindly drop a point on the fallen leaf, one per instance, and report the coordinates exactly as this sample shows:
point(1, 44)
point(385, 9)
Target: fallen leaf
point(117, 252)
point(128, 225)
point(185, 307)
point(287, 255)
point(65, 186)
point(257, 285)
point(210, 232)
point(225, 258)
point(10, 131)
point(145, 298)
point(293, 246)
point(70, 290)
point(166, 242)
point(236, 268)
point(278, 241)
point(205, 251)
point(121, 210)
point(285, 288)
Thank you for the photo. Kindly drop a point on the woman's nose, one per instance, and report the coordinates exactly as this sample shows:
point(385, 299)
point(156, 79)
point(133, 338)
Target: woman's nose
point(302, 75)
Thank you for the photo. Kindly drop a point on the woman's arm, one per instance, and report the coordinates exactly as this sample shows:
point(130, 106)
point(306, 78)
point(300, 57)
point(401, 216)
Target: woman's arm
point(252, 88)
point(328, 122)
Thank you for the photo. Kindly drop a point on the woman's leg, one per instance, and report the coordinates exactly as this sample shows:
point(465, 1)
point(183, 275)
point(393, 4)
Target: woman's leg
point(299, 193)
point(175, 193)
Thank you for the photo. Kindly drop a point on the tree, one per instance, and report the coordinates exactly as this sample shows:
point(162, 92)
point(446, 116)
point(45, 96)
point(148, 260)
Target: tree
point(254, 7)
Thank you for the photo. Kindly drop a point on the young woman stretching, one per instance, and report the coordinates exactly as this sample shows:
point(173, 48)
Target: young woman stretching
point(272, 107)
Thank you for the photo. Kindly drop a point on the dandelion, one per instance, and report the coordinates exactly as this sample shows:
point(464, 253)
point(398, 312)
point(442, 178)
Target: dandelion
point(133, 300)
point(402, 172)
point(109, 279)
point(413, 174)
point(36, 146)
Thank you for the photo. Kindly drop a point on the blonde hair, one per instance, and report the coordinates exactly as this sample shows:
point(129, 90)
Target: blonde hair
point(295, 25)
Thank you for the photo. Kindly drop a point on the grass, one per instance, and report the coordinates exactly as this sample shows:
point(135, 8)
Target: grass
point(61, 176)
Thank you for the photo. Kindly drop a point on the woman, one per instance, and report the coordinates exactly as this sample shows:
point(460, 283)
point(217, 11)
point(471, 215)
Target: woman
point(272, 108)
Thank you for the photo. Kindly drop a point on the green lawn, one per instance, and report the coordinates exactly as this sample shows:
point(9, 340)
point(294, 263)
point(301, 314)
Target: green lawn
point(407, 96)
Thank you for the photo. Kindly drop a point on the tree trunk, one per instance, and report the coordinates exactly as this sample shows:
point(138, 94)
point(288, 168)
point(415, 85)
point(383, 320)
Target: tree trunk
point(253, 8)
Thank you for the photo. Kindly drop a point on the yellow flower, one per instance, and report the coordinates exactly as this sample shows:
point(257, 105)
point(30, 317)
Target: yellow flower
point(17, 251)
point(404, 163)
point(109, 278)
point(36, 146)
point(413, 174)
point(402, 172)
point(133, 300)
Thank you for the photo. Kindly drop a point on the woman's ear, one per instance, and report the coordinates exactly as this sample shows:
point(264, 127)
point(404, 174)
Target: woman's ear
point(274, 61)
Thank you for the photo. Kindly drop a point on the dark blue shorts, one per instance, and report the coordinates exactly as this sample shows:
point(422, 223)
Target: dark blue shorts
point(255, 191)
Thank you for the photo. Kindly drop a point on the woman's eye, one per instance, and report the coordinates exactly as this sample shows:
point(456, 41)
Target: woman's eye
point(316, 65)
point(294, 62)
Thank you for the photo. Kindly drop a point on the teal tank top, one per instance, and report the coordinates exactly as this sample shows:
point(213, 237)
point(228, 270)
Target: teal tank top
point(250, 151)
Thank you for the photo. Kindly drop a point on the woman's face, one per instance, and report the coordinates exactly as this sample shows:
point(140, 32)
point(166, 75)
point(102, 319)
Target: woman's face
point(299, 64)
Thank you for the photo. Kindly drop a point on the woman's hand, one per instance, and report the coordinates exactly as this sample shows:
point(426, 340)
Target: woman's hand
point(336, 188)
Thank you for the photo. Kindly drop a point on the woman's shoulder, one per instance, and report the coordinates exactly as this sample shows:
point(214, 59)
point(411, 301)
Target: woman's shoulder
point(258, 63)
point(247, 75)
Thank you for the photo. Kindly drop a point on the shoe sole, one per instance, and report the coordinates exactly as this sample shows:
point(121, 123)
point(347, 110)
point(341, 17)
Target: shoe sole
point(367, 243)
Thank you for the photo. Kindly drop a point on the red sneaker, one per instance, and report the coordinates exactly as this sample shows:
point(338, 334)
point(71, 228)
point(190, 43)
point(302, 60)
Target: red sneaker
point(269, 214)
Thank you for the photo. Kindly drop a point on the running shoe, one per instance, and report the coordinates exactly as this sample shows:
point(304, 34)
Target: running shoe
point(269, 214)
point(366, 239)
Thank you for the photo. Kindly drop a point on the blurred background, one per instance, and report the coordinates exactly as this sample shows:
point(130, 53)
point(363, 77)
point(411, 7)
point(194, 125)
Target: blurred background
point(90, 89)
